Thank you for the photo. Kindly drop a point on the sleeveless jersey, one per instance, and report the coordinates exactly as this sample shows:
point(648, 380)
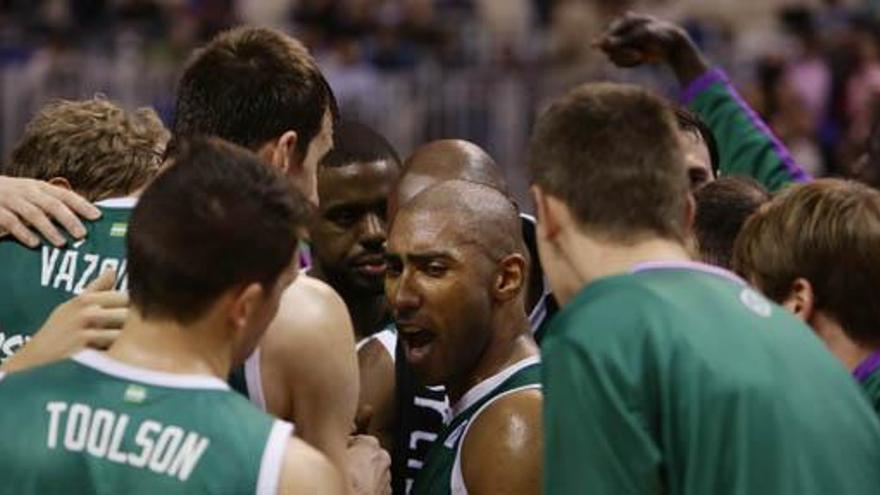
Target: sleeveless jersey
point(442, 473)
point(247, 379)
point(546, 306)
point(92, 425)
point(422, 411)
point(34, 281)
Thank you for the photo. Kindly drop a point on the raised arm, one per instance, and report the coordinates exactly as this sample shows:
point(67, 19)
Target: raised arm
point(746, 145)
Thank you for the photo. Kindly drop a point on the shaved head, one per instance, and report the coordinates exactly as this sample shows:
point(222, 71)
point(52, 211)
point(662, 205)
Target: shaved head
point(456, 278)
point(448, 159)
point(479, 215)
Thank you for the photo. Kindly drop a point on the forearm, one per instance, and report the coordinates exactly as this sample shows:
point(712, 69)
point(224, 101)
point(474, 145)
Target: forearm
point(687, 61)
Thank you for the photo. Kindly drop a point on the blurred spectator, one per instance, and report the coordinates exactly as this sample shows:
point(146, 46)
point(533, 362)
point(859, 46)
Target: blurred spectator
point(476, 69)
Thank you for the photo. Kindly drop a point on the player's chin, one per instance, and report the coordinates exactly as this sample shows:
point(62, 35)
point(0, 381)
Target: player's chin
point(423, 362)
point(368, 284)
point(426, 376)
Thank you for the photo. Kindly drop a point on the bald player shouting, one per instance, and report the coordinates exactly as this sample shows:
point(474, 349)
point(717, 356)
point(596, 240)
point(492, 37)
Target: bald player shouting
point(421, 410)
point(455, 283)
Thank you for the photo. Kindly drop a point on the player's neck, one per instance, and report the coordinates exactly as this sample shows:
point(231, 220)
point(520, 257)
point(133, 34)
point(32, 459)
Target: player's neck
point(172, 348)
point(368, 313)
point(511, 343)
point(591, 259)
point(849, 352)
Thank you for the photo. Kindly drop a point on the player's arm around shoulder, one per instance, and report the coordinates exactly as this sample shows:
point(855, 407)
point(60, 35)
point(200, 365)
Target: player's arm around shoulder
point(309, 347)
point(305, 470)
point(503, 449)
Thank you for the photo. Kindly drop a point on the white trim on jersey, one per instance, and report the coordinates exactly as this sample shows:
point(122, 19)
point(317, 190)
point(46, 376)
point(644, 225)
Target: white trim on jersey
point(273, 458)
point(688, 265)
point(2, 375)
point(122, 202)
point(486, 386)
point(539, 312)
point(107, 365)
point(386, 337)
point(253, 378)
point(456, 482)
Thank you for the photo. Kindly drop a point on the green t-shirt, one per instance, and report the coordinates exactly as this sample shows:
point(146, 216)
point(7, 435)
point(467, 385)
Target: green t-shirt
point(34, 281)
point(93, 425)
point(679, 379)
point(442, 473)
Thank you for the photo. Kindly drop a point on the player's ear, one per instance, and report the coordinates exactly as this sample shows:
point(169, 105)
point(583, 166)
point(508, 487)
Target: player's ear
point(281, 152)
point(801, 299)
point(60, 182)
point(244, 305)
point(511, 277)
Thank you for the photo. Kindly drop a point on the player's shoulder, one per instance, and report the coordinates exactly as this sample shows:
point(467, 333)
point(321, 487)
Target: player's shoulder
point(308, 298)
point(310, 315)
point(66, 370)
point(506, 435)
point(508, 413)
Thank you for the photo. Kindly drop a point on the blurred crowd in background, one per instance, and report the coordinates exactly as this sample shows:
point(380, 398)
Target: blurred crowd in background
point(475, 69)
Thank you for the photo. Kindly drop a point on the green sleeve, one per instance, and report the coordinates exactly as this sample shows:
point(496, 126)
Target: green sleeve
point(746, 146)
point(596, 438)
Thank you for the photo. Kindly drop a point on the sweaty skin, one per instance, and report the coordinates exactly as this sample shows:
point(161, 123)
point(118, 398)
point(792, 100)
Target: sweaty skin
point(455, 285)
point(308, 366)
point(502, 451)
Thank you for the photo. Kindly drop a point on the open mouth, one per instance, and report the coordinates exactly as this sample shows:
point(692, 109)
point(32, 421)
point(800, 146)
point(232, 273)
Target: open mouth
point(416, 342)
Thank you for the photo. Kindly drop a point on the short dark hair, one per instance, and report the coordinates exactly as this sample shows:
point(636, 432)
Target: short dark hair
point(828, 232)
point(611, 152)
point(354, 142)
point(723, 206)
point(216, 218)
point(691, 122)
point(250, 85)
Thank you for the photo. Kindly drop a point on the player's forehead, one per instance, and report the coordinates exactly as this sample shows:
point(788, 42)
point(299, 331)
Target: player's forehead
point(425, 230)
point(357, 183)
point(381, 171)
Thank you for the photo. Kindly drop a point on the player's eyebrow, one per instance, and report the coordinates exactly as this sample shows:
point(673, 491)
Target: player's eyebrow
point(421, 257)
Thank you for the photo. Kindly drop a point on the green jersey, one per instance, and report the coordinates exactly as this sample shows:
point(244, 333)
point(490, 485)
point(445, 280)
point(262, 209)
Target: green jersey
point(92, 425)
point(868, 374)
point(746, 145)
point(442, 473)
point(34, 281)
point(680, 379)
